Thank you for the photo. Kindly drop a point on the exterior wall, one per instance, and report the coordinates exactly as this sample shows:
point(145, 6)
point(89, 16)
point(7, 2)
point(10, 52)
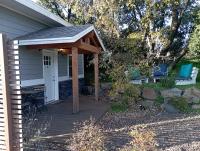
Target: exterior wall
point(63, 69)
point(31, 64)
point(63, 62)
point(37, 98)
point(65, 82)
point(31, 69)
point(81, 64)
point(15, 25)
point(65, 88)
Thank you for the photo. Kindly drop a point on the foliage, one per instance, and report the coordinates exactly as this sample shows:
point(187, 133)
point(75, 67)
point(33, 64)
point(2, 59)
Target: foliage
point(33, 129)
point(194, 43)
point(87, 137)
point(143, 139)
point(118, 107)
point(159, 100)
point(125, 93)
point(156, 29)
point(168, 82)
point(180, 103)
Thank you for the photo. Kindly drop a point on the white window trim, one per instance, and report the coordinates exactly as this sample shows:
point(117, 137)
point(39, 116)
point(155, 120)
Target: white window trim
point(66, 78)
point(27, 83)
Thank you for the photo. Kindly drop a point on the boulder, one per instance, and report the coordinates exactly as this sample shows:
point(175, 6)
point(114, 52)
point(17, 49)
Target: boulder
point(196, 106)
point(147, 103)
point(196, 92)
point(170, 93)
point(149, 94)
point(192, 95)
point(169, 108)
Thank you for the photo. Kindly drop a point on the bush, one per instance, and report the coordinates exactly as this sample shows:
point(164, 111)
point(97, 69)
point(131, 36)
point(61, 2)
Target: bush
point(119, 107)
point(125, 93)
point(180, 103)
point(87, 137)
point(143, 139)
point(168, 82)
point(159, 100)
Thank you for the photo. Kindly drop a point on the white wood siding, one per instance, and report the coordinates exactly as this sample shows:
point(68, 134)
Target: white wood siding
point(14, 25)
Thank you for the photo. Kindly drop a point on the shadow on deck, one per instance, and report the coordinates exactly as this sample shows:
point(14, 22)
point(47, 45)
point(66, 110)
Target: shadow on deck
point(60, 118)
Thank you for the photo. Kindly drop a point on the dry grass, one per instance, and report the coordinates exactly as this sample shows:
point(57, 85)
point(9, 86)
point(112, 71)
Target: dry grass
point(87, 137)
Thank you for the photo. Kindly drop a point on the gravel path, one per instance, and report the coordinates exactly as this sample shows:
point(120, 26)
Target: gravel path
point(174, 132)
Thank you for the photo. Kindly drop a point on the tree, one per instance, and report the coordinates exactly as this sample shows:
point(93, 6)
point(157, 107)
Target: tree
point(194, 44)
point(161, 27)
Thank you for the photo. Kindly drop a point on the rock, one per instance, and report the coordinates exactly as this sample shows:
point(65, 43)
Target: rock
point(197, 101)
point(169, 108)
point(196, 106)
point(149, 94)
point(196, 92)
point(106, 86)
point(170, 93)
point(147, 103)
point(192, 95)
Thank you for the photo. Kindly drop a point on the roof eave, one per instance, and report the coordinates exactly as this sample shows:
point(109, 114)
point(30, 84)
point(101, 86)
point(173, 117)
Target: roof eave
point(43, 11)
point(61, 39)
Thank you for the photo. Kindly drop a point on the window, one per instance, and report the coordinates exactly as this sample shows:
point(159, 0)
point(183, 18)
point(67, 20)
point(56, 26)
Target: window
point(47, 60)
point(80, 65)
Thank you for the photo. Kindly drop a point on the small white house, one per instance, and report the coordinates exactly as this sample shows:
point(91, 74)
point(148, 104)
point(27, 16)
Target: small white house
point(46, 47)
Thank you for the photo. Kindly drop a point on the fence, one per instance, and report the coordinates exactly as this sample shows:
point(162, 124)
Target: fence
point(10, 97)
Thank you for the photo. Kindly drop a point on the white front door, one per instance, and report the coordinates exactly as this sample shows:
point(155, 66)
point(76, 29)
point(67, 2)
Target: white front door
point(49, 75)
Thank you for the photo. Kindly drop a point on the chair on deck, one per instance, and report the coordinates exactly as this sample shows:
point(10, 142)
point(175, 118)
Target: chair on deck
point(187, 75)
point(135, 76)
point(159, 72)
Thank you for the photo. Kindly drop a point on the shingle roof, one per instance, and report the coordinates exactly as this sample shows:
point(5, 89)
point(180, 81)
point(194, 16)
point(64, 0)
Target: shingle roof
point(55, 32)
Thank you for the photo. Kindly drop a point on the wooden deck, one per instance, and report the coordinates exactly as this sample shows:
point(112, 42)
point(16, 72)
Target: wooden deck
point(60, 118)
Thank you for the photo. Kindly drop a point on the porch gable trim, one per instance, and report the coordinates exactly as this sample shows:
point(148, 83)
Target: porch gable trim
point(56, 40)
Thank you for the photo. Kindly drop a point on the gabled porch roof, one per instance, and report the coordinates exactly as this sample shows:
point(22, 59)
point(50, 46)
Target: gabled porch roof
point(62, 37)
point(70, 40)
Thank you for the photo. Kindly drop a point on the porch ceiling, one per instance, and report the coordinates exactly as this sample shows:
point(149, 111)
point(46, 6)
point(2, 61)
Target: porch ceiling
point(84, 37)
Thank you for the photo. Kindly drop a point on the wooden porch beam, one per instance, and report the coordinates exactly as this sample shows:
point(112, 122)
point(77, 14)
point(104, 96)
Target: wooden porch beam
point(88, 47)
point(75, 84)
point(96, 73)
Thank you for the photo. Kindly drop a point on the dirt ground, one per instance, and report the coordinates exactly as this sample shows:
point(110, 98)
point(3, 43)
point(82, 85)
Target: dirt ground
point(174, 132)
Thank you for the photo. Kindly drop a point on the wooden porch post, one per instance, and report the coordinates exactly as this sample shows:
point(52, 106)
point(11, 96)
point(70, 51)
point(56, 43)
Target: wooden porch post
point(75, 85)
point(96, 73)
point(7, 113)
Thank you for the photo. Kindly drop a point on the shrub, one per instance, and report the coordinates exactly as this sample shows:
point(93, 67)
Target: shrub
point(87, 137)
point(180, 103)
point(118, 107)
point(125, 92)
point(159, 100)
point(143, 139)
point(168, 82)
